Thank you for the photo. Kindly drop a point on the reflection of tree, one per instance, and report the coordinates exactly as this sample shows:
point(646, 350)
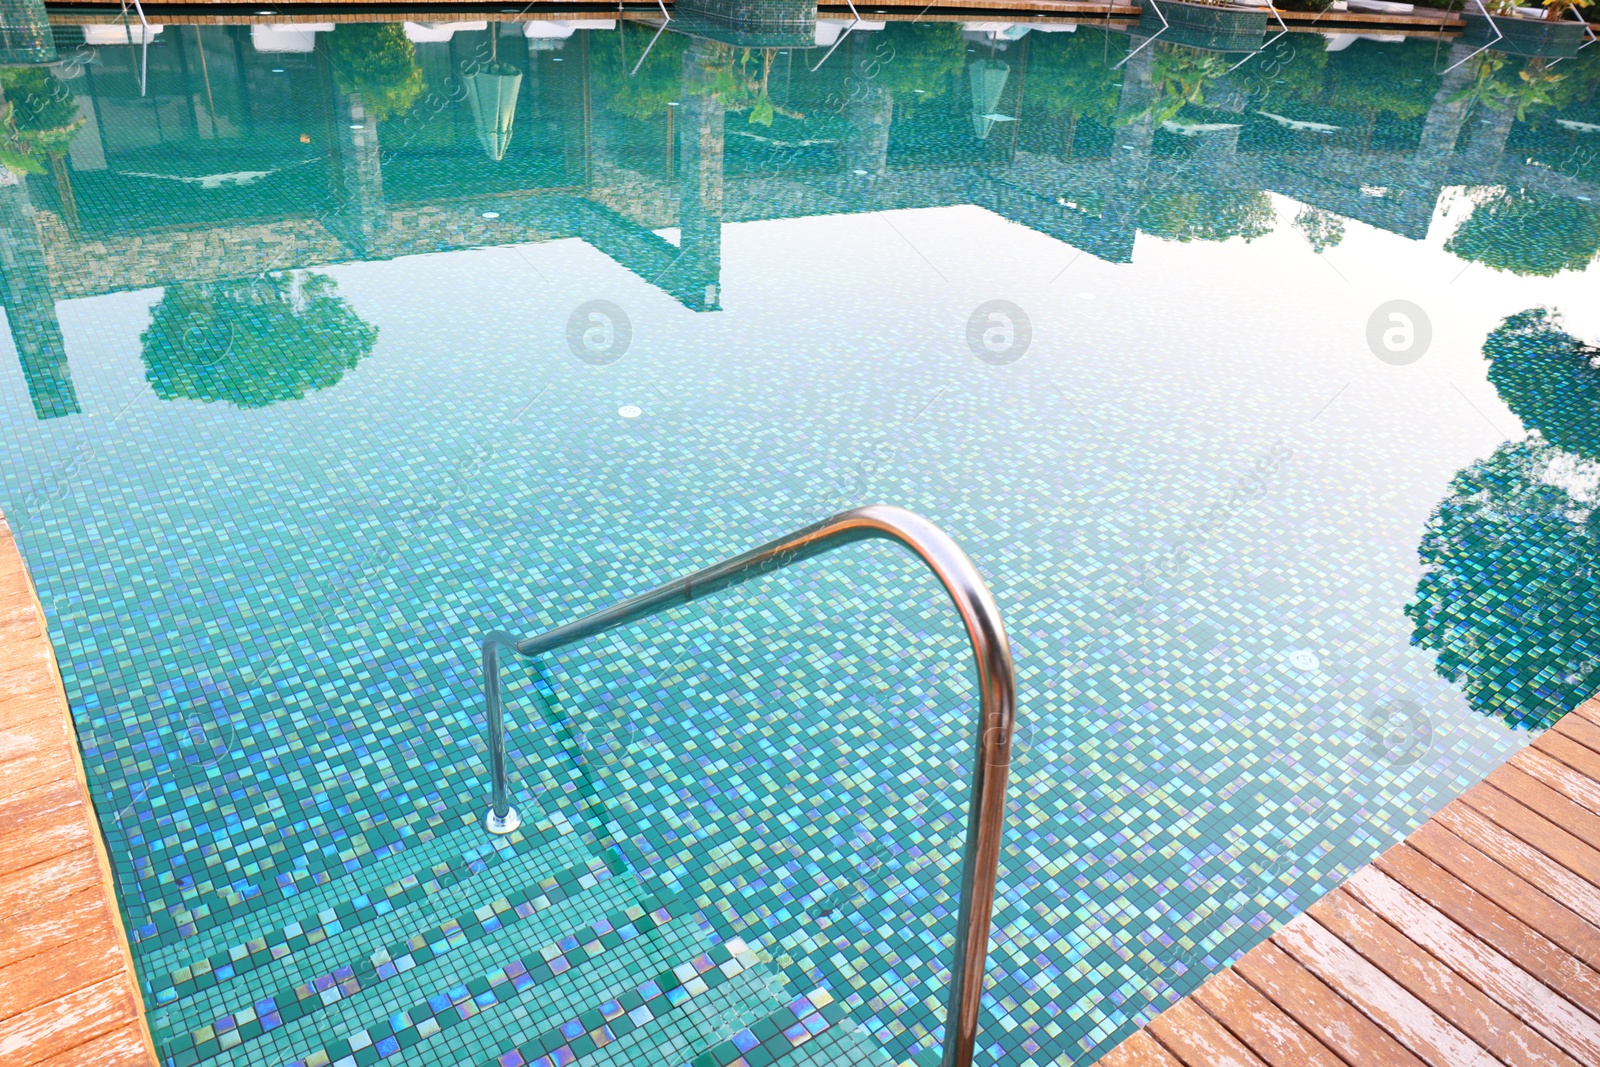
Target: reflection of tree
point(1536, 85)
point(1206, 213)
point(376, 60)
point(919, 55)
point(1323, 229)
point(659, 80)
point(1528, 232)
point(1367, 80)
point(1372, 79)
point(252, 342)
point(1071, 77)
point(1509, 598)
point(1549, 379)
point(1285, 72)
point(41, 118)
point(1178, 77)
point(737, 78)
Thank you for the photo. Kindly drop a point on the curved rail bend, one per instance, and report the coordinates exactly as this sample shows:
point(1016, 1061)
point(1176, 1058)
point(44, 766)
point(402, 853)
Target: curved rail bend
point(986, 806)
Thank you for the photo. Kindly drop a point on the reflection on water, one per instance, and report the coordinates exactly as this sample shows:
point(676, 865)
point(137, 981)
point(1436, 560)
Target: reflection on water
point(370, 133)
point(1509, 600)
point(252, 342)
point(1200, 500)
point(298, 147)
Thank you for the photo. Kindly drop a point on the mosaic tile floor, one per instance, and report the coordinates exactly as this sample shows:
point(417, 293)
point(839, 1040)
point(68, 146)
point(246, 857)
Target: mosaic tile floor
point(306, 390)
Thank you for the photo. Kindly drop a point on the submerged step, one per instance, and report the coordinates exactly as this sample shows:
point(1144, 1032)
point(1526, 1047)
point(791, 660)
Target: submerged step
point(353, 953)
point(308, 998)
point(561, 863)
point(544, 982)
point(214, 905)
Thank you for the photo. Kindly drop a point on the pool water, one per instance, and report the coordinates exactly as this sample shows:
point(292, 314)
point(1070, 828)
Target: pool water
point(337, 348)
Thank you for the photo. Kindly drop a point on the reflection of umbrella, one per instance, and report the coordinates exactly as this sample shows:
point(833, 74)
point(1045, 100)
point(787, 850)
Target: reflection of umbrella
point(493, 94)
point(988, 82)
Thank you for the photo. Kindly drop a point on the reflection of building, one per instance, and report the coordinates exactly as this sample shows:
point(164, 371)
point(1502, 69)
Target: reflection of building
point(240, 160)
point(30, 304)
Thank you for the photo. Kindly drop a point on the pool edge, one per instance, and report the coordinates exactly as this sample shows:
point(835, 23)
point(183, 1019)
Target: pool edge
point(1370, 989)
point(60, 927)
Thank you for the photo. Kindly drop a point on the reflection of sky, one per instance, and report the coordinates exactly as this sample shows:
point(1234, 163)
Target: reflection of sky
point(1175, 755)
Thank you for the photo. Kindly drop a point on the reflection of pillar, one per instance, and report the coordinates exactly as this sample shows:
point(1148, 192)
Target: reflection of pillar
point(1135, 135)
point(1220, 146)
point(868, 111)
point(700, 144)
point(1487, 133)
point(1442, 127)
point(25, 33)
point(361, 205)
point(30, 304)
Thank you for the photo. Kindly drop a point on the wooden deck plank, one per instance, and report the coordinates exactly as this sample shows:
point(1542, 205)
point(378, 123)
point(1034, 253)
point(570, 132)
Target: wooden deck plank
point(1476, 941)
point(1590, 709)
point(1198, 1040)
point(51, 759)
point(1139, 1050)
point(1521, 858)
point(27, 674)
point(43, 731)
point(1576, 781)
point(1516, 990)
point(1496, 1030)
point(1379, 997)
point(57, 922)
point(1584, 728)
point(1259, 1025)
point(67, 1022)
point(1560, 747)
point(43, 823)
point(1493, 925)
point(1526, 901)
point(1534, 829)
point(1305, 999)
point(49, 881)
point(1547, 803)
point(123, 1047)
point(68, 991)
point(64, 969)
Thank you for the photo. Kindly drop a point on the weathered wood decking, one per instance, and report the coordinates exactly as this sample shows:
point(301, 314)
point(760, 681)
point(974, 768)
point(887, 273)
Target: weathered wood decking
point(1474, 941)
point(68, 996)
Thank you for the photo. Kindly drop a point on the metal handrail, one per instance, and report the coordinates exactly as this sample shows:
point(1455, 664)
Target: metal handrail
point(997, 702)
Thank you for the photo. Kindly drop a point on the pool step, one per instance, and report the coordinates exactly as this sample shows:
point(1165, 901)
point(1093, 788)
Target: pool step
point(247, 943)
point(181, 913)
point(516, 892)
point(550, 955)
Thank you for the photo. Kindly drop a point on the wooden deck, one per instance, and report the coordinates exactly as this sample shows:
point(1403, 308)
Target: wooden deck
point(1474, 941)
point(68, 996)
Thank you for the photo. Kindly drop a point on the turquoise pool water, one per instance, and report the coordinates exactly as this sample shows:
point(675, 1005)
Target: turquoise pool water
point(341, 346)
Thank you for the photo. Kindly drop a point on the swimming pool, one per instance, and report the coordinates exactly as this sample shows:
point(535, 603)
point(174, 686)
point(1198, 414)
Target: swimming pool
point(329, 354)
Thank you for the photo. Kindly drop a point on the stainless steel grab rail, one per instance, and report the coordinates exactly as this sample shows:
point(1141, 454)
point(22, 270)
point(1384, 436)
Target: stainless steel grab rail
point(997, 700)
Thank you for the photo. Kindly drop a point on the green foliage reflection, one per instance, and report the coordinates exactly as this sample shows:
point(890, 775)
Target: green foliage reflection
point(659, 80)
point(375, 60)
point(1527, 232)
point(1509, 597)
point(253, 342)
